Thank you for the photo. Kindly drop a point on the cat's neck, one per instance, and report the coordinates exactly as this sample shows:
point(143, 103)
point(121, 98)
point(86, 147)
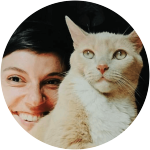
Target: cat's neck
point(117, 95)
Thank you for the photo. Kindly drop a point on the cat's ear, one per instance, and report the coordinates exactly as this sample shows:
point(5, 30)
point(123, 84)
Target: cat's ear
point(134, 38)
point(76, 32)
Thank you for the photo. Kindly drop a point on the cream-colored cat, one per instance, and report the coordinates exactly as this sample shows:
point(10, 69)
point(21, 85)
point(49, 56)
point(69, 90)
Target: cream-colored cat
point(96, 99)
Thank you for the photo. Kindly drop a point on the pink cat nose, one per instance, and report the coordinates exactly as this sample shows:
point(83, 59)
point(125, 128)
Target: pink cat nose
point(102, 68)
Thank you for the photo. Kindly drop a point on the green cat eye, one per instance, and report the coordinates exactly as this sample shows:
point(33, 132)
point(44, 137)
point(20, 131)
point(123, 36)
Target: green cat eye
point(120, 54)
point(88, 54)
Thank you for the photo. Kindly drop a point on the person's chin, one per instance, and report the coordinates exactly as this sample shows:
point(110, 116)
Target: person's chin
point(28, 119)
point(26, 125)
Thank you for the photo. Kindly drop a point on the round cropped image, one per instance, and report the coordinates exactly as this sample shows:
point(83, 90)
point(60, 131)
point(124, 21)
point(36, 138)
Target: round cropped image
point(74, 75)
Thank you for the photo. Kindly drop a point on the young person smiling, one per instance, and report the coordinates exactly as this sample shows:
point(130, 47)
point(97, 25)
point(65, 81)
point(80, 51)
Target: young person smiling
point(33, 66)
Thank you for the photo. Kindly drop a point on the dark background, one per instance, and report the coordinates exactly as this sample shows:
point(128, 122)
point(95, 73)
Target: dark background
point(92, 18)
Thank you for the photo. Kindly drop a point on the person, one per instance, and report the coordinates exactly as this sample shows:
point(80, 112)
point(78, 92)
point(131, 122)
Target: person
point(33, 66)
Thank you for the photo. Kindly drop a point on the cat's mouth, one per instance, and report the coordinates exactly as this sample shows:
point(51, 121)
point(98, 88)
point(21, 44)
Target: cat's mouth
point(102, 79)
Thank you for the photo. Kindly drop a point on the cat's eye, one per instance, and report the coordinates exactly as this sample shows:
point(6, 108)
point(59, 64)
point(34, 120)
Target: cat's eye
point(88, 54)
point(120, 54)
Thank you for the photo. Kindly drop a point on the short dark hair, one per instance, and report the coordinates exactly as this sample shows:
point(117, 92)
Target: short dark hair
point(39, 38)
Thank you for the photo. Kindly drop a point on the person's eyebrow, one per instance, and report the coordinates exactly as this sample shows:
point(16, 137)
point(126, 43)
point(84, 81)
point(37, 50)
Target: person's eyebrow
point(15, 69)
point(22, 71)
point(56, 74)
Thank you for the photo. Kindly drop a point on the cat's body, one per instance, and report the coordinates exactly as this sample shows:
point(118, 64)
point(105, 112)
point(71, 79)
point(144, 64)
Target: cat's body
point(96, 99)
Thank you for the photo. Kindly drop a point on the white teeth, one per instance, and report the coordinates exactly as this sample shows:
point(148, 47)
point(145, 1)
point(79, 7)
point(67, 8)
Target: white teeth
point(29, 117)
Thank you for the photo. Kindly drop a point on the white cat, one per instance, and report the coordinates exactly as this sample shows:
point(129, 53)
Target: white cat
point(96, 99)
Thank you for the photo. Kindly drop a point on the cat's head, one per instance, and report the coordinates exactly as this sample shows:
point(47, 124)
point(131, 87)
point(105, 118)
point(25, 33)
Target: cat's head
point(107, 61)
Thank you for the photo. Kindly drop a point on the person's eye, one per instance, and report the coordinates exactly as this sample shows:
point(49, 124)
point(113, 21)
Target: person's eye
point(15, 79)
point(53, 82)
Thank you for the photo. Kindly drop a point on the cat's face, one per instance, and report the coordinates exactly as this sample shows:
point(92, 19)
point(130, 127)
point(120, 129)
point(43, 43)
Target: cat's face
point(107, 61)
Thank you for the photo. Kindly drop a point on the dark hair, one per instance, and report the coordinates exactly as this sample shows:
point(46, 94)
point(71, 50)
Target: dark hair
point(39, 38)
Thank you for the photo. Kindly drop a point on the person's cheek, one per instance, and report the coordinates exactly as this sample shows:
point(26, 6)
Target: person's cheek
point(12, 95)
point(51, 97)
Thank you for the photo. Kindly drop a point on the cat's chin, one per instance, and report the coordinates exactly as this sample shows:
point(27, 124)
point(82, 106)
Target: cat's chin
point(104, 86)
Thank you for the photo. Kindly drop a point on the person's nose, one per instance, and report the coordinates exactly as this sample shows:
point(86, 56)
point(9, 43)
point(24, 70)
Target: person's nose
point(102, 68)
point(35, 96)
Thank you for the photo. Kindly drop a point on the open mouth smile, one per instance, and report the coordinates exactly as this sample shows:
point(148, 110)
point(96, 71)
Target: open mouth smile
point(30, 117)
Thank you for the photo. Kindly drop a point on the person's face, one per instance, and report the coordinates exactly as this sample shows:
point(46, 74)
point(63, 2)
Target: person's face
point(30, 82)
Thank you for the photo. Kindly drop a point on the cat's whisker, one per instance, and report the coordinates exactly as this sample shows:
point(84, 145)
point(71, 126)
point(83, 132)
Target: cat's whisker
point(88, 28)
point(137, 75)
point(134, 88)
point(120, 85)
point(128, 90)
point(89, 78)
point(126, 29)
point(123, 77)
point(64, 73)
point(132, 94)
point(126, 82)
point(94, 26)
point(135, 91)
